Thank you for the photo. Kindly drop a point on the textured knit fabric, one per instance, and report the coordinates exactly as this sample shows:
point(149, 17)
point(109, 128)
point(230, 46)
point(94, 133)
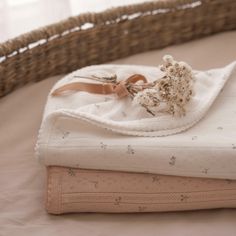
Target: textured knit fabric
point(83, 129)
point(78, 190)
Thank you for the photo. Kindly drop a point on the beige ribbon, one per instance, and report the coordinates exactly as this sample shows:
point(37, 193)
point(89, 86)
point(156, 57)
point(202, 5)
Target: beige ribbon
point(120, 88)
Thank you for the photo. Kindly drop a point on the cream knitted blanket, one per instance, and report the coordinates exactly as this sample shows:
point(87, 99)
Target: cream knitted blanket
point(96, 131)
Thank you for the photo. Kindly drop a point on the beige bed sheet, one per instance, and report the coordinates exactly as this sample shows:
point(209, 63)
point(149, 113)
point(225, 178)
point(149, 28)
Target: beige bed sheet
point(23, 180)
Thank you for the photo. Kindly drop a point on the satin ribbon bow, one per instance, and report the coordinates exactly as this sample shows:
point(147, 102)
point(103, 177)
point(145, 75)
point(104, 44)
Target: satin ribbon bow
point(119, 88)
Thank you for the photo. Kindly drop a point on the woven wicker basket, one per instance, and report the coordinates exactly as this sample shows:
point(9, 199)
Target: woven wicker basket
point(96, 38)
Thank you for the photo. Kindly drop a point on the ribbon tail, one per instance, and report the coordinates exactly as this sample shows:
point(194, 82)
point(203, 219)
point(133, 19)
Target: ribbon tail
point(86, 87)
point(104, 88)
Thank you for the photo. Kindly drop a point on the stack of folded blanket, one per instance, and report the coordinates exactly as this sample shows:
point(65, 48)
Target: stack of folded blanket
point(118, 138)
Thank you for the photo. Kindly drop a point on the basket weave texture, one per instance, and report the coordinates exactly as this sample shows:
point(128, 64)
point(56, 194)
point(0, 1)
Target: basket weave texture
point(95, 38)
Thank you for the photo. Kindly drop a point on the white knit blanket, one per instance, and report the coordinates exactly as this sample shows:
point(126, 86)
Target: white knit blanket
point(102, 132)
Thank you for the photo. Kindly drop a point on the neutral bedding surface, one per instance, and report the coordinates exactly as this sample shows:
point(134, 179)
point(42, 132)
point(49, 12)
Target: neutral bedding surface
point(23, 180)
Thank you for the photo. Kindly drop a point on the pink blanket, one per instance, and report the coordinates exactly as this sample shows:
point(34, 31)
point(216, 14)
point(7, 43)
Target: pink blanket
point(80, 190)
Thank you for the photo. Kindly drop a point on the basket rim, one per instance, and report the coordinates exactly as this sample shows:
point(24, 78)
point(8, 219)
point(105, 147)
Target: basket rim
point(97, 18)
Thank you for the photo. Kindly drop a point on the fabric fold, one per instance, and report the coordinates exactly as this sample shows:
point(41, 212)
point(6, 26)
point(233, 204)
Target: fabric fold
point(87, 130)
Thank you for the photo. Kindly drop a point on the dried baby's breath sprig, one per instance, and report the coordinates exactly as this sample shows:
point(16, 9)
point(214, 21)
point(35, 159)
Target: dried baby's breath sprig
point(170, 93)
point(148, 98)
